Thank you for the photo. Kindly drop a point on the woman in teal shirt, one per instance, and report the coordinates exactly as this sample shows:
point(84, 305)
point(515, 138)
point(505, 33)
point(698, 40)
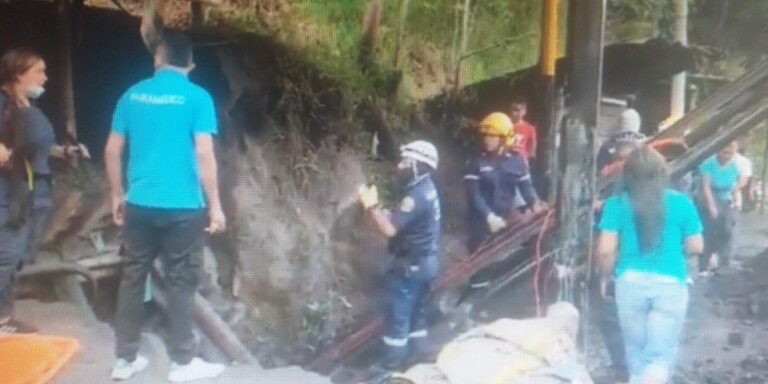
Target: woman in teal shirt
point(646, 232)
point(721, 181)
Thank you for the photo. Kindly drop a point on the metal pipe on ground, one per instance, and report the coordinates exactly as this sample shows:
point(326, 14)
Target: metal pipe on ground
point(215, 327)
point(161, 299)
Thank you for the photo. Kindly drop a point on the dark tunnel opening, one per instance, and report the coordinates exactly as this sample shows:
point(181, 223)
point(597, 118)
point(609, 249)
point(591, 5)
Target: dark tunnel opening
point(108, 56)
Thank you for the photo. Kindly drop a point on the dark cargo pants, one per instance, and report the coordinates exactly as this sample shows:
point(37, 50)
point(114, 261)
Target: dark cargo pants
point(176, 237)
point(17, 246)
point(718, 235)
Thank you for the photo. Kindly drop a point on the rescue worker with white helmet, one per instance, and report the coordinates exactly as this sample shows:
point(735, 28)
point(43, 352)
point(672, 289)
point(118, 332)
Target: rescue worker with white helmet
point(413, 229)
point(493, 178)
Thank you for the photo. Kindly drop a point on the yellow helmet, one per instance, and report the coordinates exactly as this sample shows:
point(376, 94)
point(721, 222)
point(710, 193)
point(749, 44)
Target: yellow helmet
point(496, 124)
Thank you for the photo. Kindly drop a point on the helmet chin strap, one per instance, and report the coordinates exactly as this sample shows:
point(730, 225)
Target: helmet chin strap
point(411, 165)
point(415, 170)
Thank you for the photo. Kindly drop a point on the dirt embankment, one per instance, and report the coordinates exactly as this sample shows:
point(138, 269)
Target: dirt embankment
point(299, 264)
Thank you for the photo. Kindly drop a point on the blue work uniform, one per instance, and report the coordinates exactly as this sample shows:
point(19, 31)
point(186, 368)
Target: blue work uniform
point(417, 219)
point(492, 182)
point(23, 214)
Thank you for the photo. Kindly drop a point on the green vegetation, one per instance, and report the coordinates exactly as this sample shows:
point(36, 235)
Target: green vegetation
point(424, 48)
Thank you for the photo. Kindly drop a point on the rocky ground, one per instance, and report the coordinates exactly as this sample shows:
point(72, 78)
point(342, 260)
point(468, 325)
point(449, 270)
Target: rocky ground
point(725, 339)
point(93, 362)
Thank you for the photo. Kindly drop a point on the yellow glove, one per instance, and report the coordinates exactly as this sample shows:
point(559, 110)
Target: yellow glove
point(495, 223)
point(368, 196)
point(5, 154)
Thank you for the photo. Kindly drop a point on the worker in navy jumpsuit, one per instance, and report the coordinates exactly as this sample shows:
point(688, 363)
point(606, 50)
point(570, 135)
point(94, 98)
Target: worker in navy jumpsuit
point(492, 180)
point(413, 228)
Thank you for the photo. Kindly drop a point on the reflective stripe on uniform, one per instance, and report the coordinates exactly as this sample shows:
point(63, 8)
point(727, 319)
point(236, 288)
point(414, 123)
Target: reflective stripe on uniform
point(471, 177)
point(394, 342)
point(418, 334)
point(30, 175)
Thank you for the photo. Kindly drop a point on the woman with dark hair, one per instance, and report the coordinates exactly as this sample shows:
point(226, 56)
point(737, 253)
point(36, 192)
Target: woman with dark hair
point(646, 232)
point(721, 179)
point(27, 141)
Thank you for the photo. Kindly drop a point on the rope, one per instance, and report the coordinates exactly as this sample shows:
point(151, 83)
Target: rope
point(538, 264)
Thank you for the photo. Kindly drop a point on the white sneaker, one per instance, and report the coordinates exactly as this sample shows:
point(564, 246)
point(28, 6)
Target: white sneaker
point(197, 369)
point(124, 370)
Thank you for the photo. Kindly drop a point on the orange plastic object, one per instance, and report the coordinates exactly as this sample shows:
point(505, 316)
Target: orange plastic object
point(33, 359)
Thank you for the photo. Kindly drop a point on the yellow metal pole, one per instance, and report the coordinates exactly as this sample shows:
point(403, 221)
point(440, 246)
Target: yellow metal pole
point(549, 34)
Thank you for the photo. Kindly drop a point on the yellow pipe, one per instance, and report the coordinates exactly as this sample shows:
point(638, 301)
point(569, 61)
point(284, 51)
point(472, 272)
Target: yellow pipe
point(549, 32)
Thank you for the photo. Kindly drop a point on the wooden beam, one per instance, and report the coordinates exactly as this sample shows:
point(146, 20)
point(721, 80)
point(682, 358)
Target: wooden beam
point(67, 95)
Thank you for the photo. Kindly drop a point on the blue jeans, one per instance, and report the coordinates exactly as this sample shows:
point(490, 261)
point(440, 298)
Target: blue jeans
point(651, 312)
point(407, 313)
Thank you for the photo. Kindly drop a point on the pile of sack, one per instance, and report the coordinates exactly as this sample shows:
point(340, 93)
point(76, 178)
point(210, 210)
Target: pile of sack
point(507, 351)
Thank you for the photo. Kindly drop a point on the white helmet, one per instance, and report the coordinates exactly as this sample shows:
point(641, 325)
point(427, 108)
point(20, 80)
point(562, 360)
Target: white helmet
point(422, 151)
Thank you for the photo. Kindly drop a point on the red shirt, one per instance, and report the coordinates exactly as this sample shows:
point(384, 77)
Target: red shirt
point(525, 139)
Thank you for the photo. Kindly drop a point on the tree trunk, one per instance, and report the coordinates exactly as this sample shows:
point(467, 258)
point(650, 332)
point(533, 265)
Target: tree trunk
point(370, 38)
point(401, 32)
point(464, 42)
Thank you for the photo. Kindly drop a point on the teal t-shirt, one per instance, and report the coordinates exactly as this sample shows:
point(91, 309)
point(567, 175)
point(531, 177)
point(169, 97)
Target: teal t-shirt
point(723, 178)
point(159, 118)
point(680, 221)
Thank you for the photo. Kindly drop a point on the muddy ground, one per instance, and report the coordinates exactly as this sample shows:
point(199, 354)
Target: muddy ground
point(93, 362)
point(725, 338)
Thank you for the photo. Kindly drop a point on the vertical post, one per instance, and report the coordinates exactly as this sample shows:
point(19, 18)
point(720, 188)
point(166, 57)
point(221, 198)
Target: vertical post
point(677, 107)
point(586, 25)
point(198, 15)
point(587, 31)
point(547, 66)
point(549, 32)
point(402, 24)
point(67, 95)
point(763, 186)
point(464, 42)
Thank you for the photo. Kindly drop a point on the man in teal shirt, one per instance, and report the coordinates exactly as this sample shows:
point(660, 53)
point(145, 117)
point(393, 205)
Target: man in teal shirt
point(720, 181)
point(171, 200)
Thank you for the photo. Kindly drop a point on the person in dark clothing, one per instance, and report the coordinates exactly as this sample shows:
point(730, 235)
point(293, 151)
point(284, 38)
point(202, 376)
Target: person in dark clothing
point(27, 142)
point(493, 179)
point(611, 149)
point(413, 229)
point(720, 182)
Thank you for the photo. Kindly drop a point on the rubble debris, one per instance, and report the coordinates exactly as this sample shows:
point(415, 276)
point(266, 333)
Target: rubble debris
point(736, 339)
